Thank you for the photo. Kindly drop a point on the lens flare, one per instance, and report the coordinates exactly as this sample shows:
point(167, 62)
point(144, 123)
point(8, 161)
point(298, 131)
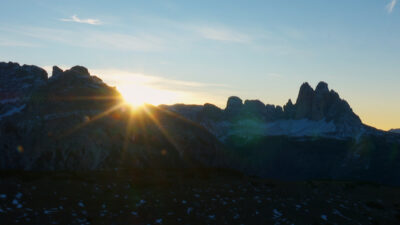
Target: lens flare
point(20, 149)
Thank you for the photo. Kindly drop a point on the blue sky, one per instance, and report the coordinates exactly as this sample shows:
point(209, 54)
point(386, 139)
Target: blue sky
point(205, 51)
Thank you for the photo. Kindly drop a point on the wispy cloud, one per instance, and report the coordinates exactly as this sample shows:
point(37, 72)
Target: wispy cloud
point(222, 34)
point(117, 77)
point(14, 43)
point(76, 19)
point(390, 6)
point(94, 39)
point(192, 92)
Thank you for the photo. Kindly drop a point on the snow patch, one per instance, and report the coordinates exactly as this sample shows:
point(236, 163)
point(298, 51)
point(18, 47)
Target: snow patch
point(12, 111)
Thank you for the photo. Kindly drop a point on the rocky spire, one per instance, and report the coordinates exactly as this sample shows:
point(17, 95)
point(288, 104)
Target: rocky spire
point(289, 110)
point(234, 104)
point(56, 71)
point(304, 101)
point(322, 88)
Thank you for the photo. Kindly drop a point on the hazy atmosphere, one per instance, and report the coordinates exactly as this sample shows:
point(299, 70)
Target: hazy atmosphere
point(264, 50)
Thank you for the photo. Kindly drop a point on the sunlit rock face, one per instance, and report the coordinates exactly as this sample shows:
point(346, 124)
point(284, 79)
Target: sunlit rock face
point(74, 121)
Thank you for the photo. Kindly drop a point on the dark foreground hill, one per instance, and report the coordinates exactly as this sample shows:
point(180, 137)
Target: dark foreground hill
point(74, 121)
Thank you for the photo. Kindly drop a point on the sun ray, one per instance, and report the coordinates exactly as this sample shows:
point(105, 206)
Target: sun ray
point(162, 129)
point(128, 133)
point(98, 116)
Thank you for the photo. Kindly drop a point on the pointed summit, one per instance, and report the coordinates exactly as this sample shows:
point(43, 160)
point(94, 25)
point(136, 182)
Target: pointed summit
point(322, 87)
point(304, 101)
point(289, 109)
point(56, 71)
point(233, 103)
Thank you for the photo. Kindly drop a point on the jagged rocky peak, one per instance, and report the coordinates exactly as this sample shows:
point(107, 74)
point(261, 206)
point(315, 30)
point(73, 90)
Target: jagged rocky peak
point(12, 70)
point(73, 72)
point(304, 101)
point(322, 88)
point(289, 109)
point(56, 71)
point(323, 104)
point(17, 83)
point(234, 104)
point(79, 70)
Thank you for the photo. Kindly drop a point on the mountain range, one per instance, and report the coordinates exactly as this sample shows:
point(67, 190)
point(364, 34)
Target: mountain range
point(318, 112)
point(72, 120)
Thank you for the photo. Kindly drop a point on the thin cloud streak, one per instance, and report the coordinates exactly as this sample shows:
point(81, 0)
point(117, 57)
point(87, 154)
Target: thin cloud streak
point(12, 43)
point(76, 19)
point(94, 39)
point(390, 6)
point(114, 76)
point(222, 34)
point(186, 91)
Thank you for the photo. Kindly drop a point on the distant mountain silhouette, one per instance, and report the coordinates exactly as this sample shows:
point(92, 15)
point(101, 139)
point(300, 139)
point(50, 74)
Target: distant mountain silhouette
point(395, 131)
point(74, 121)
point(318, 112)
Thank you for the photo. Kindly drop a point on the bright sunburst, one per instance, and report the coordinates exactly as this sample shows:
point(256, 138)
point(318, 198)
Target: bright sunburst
point(138, 95)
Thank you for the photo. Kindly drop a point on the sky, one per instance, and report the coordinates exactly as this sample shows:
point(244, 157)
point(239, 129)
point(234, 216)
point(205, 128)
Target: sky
point(205, 51)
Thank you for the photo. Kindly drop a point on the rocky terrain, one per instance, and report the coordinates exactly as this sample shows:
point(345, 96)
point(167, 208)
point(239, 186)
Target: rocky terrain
point(189, 197)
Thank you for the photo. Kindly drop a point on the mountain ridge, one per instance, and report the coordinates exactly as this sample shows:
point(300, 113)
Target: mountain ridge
point(320, 111)
point(74, 121)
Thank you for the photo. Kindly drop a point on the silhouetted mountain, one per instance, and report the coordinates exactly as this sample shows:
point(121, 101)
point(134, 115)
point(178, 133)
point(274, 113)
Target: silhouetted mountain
point(319, 137)
point(318, 112)
point(74, 121)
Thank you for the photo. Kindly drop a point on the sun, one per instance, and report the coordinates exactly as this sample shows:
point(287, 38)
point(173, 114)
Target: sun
point(137, 95)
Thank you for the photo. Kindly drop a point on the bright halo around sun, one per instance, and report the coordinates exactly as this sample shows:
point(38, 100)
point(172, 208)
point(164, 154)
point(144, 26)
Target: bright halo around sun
point(138, 95)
